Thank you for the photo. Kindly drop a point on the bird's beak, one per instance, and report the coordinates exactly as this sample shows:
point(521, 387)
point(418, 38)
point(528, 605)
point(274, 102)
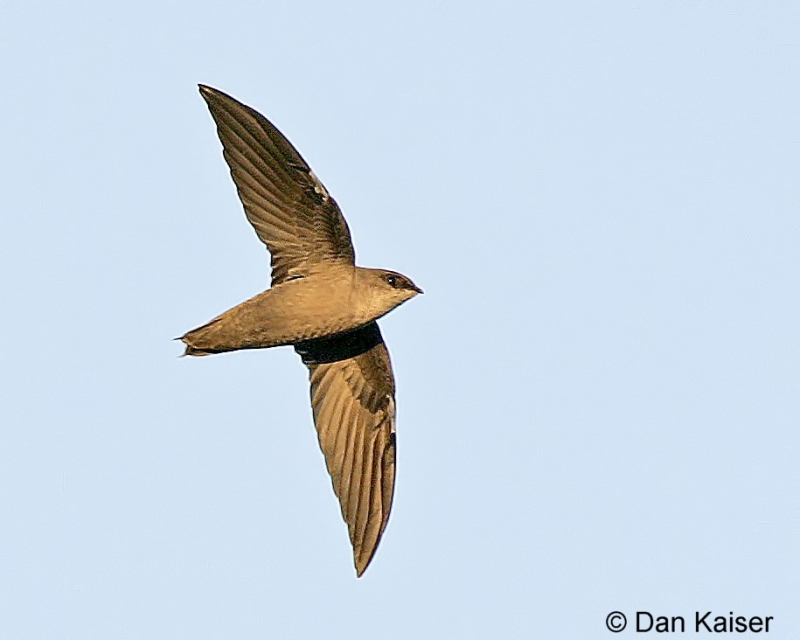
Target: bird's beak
point(417, 289)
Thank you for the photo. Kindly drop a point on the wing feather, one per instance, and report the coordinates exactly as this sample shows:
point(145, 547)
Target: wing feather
point(289, 208)
point(353, 403)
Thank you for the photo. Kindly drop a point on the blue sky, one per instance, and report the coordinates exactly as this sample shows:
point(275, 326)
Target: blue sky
point(598, 395)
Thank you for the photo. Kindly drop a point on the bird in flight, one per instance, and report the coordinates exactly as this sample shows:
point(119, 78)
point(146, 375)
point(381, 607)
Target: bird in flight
point(323, 305)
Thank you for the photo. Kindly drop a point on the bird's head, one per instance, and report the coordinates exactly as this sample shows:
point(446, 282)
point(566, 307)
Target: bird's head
point(388, 289)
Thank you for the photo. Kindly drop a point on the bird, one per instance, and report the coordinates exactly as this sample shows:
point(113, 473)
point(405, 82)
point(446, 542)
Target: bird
point(323, 305)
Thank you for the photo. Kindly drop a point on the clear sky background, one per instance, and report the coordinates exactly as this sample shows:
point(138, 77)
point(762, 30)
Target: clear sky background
point(598, 395)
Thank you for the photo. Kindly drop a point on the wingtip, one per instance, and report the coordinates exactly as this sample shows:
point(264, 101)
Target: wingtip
point(362, 561)
point(206, 91)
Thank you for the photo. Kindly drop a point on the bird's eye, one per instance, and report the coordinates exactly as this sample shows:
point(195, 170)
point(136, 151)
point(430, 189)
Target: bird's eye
point(392, 280)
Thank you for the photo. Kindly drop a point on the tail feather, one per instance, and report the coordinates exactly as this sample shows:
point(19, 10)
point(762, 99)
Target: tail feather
point(200, 341)
point(194, 351)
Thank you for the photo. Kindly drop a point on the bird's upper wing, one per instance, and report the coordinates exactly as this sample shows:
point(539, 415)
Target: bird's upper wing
point(288, 206)
point(352, 396)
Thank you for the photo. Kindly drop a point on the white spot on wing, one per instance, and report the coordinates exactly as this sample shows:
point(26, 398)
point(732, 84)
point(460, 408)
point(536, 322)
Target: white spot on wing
point(318, 188)
point(390, 413)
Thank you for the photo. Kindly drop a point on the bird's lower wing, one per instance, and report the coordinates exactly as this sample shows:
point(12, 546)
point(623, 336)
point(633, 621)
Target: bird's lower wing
point(352, 396)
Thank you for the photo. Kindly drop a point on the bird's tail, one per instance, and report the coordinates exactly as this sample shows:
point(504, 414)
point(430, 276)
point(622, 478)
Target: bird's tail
point(203, 341)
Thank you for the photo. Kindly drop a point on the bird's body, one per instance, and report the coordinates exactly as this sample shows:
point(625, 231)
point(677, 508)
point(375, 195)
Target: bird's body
point(321, 303)
point(329, 302)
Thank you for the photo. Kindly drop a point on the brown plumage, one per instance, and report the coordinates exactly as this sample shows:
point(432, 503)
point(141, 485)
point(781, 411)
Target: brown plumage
point(323, 305)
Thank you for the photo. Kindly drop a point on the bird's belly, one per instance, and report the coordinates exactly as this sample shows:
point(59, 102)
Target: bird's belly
point(286, 318)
